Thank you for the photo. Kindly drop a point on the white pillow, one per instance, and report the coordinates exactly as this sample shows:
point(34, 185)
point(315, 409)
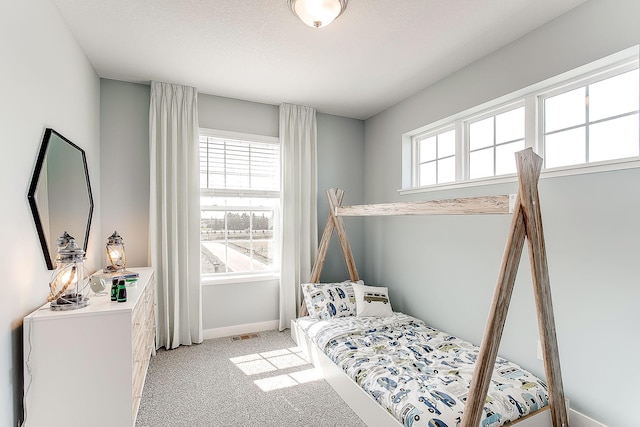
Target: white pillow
point(372, 301)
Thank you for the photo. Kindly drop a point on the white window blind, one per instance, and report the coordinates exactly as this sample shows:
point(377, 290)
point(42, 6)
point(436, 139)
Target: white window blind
point(239, 165)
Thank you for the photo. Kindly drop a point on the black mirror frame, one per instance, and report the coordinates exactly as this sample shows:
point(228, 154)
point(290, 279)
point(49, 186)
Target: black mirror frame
point(33, 188)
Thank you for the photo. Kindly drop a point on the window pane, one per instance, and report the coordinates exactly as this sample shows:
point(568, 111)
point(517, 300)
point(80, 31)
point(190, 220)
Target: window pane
point(427, 149)
point(238, 242)
point(447, 144)
point(481, 163)
point(617, 95)
point(428, 173)
point(614, 139)
point(505, 157)
point(564, 110)
point(263, 247)
point(565, 148)
point(212, 238)
point(510, 125)
point(481, 133)
point(446, 170)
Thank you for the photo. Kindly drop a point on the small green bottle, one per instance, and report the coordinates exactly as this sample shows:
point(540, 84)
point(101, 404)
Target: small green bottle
point(114, 290)
point(122, 291)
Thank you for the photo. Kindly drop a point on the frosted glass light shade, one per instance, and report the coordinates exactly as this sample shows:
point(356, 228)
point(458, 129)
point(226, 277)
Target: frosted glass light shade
point(317, 13)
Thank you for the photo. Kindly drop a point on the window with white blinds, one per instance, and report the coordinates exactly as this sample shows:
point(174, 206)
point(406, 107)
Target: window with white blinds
point(227, 164)
point(239, 204)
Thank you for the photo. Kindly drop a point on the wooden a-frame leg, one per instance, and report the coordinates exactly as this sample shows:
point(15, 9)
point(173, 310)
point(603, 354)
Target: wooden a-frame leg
point(326, 237)
point(334, 222)
point(342, 236)
point(495, 323)
point(527, 222)
point(323, 246)
point(529, 167)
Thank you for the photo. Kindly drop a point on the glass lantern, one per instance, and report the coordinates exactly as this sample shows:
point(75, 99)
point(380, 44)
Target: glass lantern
point(116, 259)
point(68, 287)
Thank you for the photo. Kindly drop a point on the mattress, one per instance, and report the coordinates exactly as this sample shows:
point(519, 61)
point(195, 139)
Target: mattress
point(419, 374)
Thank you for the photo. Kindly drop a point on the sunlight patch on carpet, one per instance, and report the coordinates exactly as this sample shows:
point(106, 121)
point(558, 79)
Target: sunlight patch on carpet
point(276, 360)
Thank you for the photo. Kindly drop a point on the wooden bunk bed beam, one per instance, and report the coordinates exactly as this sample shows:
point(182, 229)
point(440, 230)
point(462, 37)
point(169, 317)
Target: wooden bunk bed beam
point(468, 206)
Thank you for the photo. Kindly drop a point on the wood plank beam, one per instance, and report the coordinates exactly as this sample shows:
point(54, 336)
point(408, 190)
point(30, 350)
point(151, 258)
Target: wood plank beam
point(465, 206)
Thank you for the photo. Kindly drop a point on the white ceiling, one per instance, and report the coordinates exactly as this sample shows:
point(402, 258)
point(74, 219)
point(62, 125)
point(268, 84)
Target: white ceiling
point(374, 55)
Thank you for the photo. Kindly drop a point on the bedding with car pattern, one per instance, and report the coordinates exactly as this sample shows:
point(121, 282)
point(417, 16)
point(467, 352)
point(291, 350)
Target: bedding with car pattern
point(420, 374)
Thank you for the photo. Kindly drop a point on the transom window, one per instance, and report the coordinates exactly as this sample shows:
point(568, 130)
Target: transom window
point(437, 161)
point(493, 142)
point(592, 123)
point(588, 121)
point(239, 200)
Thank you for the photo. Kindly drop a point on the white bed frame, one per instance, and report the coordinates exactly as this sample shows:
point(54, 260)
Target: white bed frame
point(526, 225)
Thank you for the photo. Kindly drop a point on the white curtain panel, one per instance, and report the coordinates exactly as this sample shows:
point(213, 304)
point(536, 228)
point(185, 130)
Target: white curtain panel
point(175, 214)
point(298, 135)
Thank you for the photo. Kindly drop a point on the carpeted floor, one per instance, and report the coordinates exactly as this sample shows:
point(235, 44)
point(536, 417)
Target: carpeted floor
point(261, 381)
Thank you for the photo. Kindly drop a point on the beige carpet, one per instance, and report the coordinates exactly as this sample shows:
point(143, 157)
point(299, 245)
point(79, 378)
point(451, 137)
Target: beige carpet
point(259, 381)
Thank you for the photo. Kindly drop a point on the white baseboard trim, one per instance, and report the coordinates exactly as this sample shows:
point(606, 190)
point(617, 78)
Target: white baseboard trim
point(228, 331)
point(576, 419)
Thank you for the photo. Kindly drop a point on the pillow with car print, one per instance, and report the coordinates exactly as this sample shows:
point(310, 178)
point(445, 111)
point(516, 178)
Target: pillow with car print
point(372, 301)
point(329, 300)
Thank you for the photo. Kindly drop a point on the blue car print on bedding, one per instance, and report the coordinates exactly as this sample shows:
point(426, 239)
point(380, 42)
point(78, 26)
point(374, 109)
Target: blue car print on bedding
point(421, 375)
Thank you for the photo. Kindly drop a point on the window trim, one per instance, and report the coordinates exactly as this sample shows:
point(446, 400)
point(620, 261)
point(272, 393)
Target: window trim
point(601, 69)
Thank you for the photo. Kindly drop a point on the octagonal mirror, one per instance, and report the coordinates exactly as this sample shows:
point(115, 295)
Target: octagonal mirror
point(60, 194)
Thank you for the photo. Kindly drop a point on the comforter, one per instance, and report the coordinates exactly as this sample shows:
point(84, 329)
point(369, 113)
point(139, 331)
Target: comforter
point(419, 374)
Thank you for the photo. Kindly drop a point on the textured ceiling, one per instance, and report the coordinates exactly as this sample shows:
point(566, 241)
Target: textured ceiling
point(374, 55)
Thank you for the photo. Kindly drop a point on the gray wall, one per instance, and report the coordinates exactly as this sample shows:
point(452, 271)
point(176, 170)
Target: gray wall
point(125, 122)
point(444, 269)
point(45, 81)
point(124, 171)
point(340, 165)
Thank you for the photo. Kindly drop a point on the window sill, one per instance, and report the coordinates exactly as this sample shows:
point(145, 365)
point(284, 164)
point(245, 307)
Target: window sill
point(239, 278)
point(630, 163)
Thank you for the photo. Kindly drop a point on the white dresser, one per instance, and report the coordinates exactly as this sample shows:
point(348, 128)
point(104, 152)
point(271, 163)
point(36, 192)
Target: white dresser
point(87, 367)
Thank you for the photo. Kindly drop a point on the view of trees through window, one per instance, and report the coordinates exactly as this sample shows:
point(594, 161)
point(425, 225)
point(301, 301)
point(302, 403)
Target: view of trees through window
point(239, 199)
point(234, 241)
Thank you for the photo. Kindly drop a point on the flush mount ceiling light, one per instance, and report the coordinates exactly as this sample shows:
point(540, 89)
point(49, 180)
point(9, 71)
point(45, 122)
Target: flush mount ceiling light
point(317, 13)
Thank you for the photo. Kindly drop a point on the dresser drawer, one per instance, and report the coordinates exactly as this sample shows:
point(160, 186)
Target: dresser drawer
point(143, 340)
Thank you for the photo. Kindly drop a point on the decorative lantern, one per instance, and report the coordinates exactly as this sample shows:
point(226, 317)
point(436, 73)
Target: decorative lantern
point(68, 286)
point(116, 259)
